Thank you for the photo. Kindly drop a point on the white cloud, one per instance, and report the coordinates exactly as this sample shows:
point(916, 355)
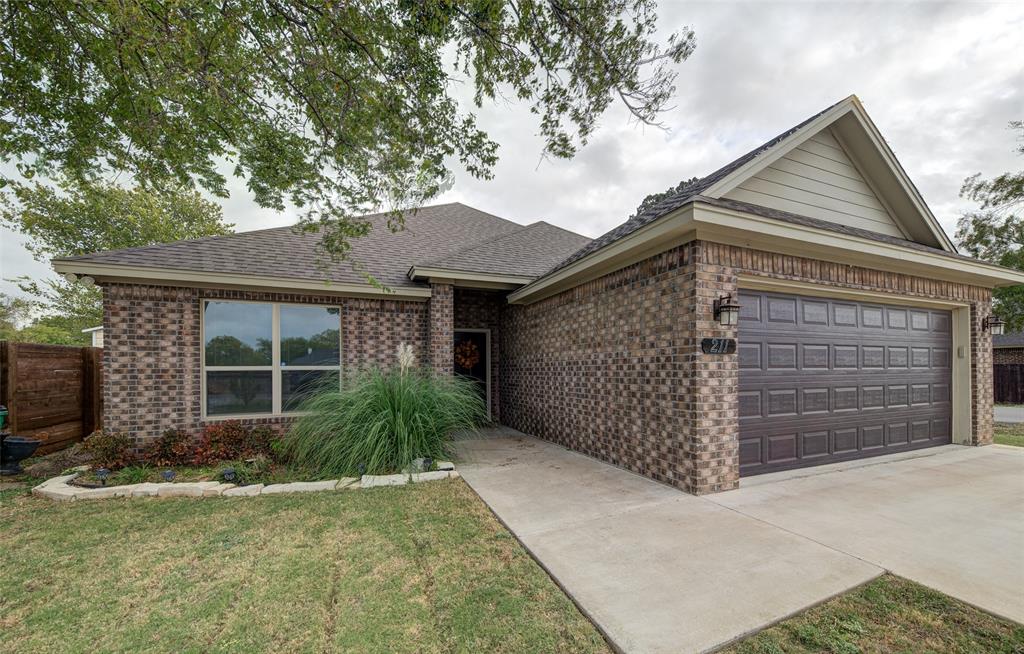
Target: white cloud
point(941, 82)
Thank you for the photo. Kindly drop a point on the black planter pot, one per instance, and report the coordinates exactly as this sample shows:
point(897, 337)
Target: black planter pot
point(14, 450)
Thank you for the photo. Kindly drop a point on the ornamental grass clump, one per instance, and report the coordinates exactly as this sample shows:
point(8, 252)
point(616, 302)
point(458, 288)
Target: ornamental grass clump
point(382, 420)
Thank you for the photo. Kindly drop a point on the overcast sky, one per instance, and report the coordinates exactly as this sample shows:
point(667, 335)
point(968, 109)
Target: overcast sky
point(941, 82)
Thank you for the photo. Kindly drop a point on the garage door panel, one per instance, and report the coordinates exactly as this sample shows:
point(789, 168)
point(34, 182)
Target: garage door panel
point(825, 380)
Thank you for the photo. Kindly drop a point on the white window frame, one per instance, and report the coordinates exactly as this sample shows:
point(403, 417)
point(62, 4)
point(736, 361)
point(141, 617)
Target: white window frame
point(275, 367)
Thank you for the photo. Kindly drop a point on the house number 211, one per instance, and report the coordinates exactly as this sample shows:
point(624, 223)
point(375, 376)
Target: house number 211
point(718, 345)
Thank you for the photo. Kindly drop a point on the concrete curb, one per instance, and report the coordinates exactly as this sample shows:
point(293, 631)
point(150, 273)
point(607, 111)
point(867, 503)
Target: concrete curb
point(59, 489)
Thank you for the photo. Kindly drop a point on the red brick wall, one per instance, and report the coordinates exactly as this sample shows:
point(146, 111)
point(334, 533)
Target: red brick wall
point(1008, 355)
point(482, 310)
point(613, 368)
point(602, 368)
point(152, 367)
point(441, 322)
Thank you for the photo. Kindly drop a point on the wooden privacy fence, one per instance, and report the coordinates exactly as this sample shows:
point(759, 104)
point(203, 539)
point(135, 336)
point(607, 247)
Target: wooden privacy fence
point(1009, 383)
point(52, 392)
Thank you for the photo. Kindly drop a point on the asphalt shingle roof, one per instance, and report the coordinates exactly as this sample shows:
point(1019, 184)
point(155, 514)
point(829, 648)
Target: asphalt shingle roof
point(1009, 340)
point(679, 199)
point(530, 251)
point(437, 233)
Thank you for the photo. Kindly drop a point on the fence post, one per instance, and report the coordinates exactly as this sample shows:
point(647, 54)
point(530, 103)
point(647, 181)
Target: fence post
point(92, 391)
point(10, 384)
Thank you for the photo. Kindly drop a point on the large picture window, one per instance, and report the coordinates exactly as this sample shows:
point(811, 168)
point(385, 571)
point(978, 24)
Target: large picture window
point(265, 358)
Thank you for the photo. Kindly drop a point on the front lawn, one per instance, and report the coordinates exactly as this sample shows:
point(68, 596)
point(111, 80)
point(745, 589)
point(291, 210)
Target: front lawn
point(421, 568)
point(889, 614)
point(1010, 434)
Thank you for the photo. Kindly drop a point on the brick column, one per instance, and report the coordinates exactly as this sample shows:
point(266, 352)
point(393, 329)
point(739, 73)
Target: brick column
point(441, 330)
point(711, 445)
point(982, 400)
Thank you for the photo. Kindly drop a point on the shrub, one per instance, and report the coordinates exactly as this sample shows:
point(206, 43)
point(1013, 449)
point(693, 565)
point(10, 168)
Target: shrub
point(231, 440)
point(254, 471)
point(382, 421)
point(172, 448)
point(133, 475)
point(111, 450)
point(263, 442)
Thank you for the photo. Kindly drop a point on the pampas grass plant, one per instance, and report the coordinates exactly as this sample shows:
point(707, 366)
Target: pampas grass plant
point(382, 420)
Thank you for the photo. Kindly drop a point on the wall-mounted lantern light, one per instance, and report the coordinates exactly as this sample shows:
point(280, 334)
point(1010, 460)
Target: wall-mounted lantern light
point(727, 311)
point(995, 324)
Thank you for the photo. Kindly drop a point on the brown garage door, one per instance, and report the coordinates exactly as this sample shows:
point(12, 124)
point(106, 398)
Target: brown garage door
point(825, 380)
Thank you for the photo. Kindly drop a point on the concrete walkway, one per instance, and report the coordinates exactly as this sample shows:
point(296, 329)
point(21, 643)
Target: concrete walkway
point(662, 571)
point(1010, 413)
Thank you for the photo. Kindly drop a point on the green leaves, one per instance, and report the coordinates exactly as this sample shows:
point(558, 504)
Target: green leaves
point(73, 218)
point(338, 108)
point(996, 232)
point(381, 421)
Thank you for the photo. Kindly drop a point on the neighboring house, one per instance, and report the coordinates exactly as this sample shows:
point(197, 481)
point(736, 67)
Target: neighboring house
point(861, 331)
point(1008, 348)
point(97, 335)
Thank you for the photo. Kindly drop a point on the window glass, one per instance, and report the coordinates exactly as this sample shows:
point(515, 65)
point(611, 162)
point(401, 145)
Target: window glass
point(239, 392)
point(297, 385)
point(238, 333)
point(309, 336)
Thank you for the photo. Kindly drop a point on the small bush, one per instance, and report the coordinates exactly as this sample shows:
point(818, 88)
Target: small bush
point(111, 450)
point(133, 475)
point(254, 471)
point(231, 440)
point(172, 448)
point(381, 421)
point(263, 442)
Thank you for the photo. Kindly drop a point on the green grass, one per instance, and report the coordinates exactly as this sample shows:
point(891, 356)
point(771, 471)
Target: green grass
point(889, 614)
point(1010, 434)
point(422, 568)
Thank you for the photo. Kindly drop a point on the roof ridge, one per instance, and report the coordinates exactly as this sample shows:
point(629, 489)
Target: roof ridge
point(470, 248)
point(559, 227)
point(676, 200)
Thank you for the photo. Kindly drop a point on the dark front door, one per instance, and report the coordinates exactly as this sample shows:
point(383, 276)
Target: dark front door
point(472, 360)
point(825, 380)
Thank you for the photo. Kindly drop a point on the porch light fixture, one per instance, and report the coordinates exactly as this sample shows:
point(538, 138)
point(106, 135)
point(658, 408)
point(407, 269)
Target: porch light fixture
point(727, 311)
point(102, 475)
point(995, 324)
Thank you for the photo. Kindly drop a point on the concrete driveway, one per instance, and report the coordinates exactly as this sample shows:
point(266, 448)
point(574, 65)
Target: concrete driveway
point(662, 571)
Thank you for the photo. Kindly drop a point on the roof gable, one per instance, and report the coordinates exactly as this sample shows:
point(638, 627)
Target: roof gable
point(818, 179)
point(842, 139)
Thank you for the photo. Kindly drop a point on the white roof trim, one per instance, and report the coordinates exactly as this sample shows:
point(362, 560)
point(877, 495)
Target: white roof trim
point(850, 105)
point(468, 278)
point(697, 220)
point(173, 277)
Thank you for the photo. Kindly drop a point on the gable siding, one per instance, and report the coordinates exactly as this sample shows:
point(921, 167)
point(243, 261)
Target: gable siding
point(817, 179)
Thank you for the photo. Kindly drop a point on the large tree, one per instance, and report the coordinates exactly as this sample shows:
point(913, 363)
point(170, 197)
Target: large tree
point(995, 231)
point(74, 218)
point(336, 107)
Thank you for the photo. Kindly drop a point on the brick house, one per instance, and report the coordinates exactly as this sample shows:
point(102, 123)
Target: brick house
point(799, 306)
